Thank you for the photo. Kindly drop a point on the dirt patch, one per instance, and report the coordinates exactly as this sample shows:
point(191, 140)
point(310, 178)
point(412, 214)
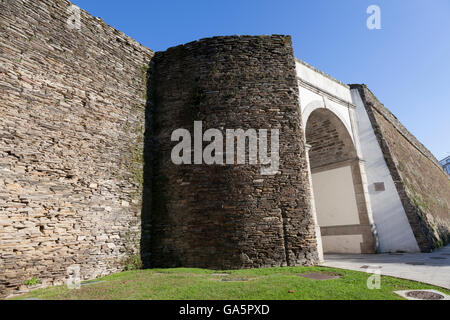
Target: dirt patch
point(234, 279)
point(88, 283)
point(321, 275)
point(371, 267)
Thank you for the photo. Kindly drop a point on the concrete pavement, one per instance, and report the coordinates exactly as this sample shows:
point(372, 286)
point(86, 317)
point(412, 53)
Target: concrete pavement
point(432, 268)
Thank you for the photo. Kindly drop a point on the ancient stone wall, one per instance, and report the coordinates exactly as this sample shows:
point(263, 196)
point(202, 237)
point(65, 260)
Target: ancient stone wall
point(423, 186)
point(75, 104)
point(230, 216)
point(71, 137)
point(329, 139)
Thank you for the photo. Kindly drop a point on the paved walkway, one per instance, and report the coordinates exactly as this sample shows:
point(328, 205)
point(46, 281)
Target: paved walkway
point(432, 268)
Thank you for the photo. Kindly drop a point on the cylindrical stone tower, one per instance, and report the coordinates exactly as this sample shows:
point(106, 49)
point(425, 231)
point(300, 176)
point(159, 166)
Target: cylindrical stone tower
point(229, 216)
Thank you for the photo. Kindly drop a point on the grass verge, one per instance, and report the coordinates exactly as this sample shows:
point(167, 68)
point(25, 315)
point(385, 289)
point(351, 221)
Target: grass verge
point(252, 284)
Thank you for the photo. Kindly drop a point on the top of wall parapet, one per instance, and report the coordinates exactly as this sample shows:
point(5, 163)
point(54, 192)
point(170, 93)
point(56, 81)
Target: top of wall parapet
point(108, 29)
point(234, 37)
point(322, 73)
point(223, 39)
point(322, 83)
point(391, 118)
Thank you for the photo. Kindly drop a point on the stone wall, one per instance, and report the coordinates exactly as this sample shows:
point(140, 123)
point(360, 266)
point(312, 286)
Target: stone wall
point(329, 139)
point(71, 126)
point(228, 216)
point(423, 186)
point(73, 186)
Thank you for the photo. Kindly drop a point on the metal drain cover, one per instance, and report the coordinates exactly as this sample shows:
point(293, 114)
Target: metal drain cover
point(416, 263)
point(423, 295)
point(321, 275)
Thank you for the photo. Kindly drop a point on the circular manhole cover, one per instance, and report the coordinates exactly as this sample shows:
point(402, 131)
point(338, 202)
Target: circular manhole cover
point(321, 275)
point(425, 295)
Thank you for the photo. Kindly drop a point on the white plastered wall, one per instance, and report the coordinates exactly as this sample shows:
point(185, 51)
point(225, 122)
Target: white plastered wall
point(394, 231)
point(335, 201)
point(333, 190)
point(343, 244)
point(317, 79)
point(335, 197)
point(311, 101)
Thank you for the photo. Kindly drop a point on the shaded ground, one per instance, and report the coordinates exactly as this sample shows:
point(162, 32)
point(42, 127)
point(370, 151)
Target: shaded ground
point(432, 268)
point(255, 284)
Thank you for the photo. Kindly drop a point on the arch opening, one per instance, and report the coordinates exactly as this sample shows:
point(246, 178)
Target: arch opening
point(338, 196)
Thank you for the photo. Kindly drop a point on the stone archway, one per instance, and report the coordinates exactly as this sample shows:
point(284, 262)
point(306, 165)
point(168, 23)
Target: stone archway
point(339, 200)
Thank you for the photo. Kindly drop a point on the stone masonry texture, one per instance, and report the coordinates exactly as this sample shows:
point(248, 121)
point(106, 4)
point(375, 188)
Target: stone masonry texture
point(329, 139)
point(72, 115)
point(86, 177)
point(230, 216)
point(422, 184)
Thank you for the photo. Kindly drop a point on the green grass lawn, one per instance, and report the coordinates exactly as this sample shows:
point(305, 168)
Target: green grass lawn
point(262, 284)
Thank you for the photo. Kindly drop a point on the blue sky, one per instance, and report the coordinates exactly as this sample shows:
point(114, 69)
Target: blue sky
point(406, 63)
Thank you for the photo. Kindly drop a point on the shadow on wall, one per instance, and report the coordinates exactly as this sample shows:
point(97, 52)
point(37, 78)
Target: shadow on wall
point(225, 216)
point(149, 156)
